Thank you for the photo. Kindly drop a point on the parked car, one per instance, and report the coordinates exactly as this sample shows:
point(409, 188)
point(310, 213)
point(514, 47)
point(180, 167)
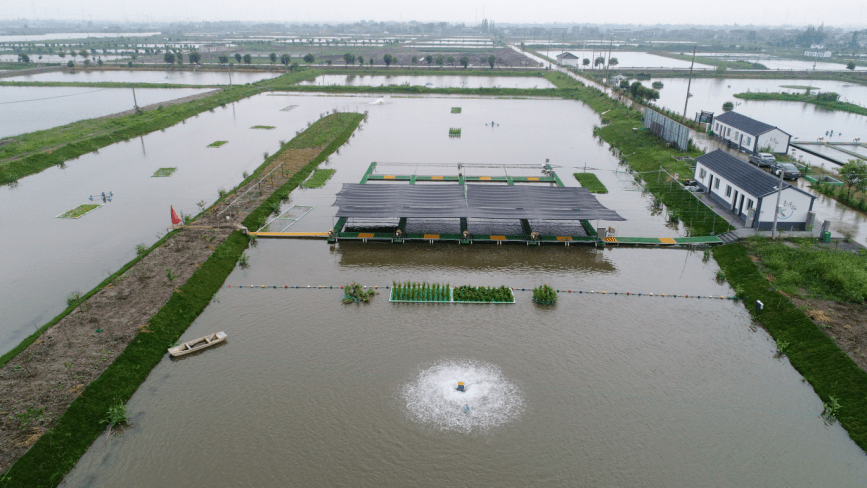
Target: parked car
point(789, 170)
point(763, 159)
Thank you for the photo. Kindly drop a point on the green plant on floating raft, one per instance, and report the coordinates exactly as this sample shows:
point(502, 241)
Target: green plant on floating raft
point(456, 110)
point(483, 294)
point(266, 127)
point(217, 143)
point(355, 293)
point(78, 211)
point(163, 172)
point(424, 292)
point(544, 295)
point(320, 176)
point(455, 132)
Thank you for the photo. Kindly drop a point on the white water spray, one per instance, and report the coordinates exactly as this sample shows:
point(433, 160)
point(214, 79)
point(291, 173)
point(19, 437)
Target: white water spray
point(489, 400)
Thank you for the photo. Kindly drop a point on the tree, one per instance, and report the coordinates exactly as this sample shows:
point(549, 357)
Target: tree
point(599, 60)
point(414, 60)
point(248, 59)
point(586, 62)
point(328, 62)
point(238, 57)
point(451, 61)
point(465, 61)
point(194, 57)
point(371, 62)
point(23, 58)
point(522, 46)
point(284, 59)
point(349, 58)
point(854, 174)
point(62, 54)
point(721, 67)
point(223, 59)
point(83, 53)
point(99, 61)
point(169, 57)
point(273, 57)
point(428, 59)
point(87, 62)
point(360, 61)
point(828, 97)
point(728, 106)
point(180, 57)
point(613, 62)
point(70, 64)
point(309, 58)
point(491, 60)
point(440, 60)
point(850, 65)
point(387, 59)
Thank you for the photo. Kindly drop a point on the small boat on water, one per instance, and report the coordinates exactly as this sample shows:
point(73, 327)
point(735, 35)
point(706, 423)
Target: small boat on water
point(197, 344)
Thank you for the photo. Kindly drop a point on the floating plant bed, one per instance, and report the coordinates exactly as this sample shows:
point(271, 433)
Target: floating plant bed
point(411, 292)
point(455, 132)
point(217, 143)
point(456, 110)
point(163, 172)
point(79, 211)
point(544, 295)
point(320, 176)
point(266, 127)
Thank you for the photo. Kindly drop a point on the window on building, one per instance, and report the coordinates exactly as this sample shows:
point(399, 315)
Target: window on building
point(716, 184)
point(749, 204)
point(702, 174)
point(728, 131)
point(749, 140)
point(728, 190)
point(716, 129)
point(737, 135)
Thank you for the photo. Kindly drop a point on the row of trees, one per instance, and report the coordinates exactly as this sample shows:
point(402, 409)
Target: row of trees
point(440, 60)
point(638, 91)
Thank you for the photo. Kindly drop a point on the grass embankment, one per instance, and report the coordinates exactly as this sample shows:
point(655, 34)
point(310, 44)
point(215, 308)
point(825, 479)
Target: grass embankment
point(14, 66)
point(859, 77)
point(591, 182)
point(42, 149)
point(813, 354)
point(856, 200)
point(803, 97)
point(102, 84)
point(57, 451)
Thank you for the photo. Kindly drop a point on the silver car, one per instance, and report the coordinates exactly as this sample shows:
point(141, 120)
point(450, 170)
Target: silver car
point(763, 159)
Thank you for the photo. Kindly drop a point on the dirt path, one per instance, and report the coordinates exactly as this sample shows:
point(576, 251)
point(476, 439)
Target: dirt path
point(38, 385)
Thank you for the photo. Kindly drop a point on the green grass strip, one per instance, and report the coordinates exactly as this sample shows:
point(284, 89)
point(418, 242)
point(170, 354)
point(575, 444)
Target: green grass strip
point(217, 143)
point(813, 354)
point(76, 139)
point(320, 176)
point(456, 110)
point(164, 172)
point(56, 452)
point(266, 127)
point(78, 211)
point(802, 97)
point(591, 182)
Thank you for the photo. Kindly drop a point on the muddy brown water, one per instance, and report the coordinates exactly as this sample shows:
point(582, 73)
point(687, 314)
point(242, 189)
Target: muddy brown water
point(609, 390)
point(59, 256)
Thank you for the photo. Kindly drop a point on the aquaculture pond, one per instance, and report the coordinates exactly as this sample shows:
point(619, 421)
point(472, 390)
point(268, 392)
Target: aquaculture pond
point(60, 256)
point(177, 77)
point(596, 390)
point(434, 81)
point(628, 59)
point(31, 108)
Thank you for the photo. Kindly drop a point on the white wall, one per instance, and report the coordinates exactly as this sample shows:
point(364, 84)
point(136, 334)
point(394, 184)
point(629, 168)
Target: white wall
point(720, 193)
point(793, 203)
point(776, 139)
point(736, 136)
point(569, 62)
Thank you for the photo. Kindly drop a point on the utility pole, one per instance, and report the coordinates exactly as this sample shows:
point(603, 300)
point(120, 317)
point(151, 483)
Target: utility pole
point(134, 101)
point(688, 85)
point(608, 64)
point(777, 208)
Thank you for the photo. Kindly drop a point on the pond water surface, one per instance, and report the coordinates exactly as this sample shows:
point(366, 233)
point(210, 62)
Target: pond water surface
point(434, 81)
point(31, 108)
point(175, 77)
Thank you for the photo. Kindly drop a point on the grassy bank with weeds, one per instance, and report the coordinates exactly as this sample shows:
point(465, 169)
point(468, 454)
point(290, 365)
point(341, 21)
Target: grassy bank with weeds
point(57, 451)
point(802, 97)
point(31, 153)
point(713, 61)
point(812, 353)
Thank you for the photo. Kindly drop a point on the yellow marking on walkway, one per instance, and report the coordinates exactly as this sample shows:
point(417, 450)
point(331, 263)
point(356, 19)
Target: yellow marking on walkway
point(388, 177)
point(667, 240)
point(431, 236)
point(436, 177)
point(564, 238)
point(533, 178)
point(610, 239)
point(498, 238)
point(365, 235)
point(484, 177)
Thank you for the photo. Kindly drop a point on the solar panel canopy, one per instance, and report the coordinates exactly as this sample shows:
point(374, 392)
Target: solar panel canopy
point(480, 202)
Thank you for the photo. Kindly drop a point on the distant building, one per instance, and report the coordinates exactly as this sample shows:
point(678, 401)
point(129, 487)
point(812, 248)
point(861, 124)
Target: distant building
point(750, 134)
point(568, 59)
point(818, 54)
point(750, 193)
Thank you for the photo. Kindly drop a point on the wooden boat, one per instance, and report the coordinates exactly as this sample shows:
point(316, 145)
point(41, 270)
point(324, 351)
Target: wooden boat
point(197, 344)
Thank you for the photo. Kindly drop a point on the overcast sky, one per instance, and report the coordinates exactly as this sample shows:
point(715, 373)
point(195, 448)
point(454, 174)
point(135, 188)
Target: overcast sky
point(758, 12)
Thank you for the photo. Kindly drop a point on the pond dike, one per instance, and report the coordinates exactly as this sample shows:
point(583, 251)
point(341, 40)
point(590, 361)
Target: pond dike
point(42, 454)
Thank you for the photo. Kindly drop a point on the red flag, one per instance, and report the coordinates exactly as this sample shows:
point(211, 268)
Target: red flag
point(175, 219)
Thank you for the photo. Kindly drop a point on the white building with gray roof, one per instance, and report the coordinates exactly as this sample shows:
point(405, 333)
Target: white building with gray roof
point(750, 193)
point(750, 134)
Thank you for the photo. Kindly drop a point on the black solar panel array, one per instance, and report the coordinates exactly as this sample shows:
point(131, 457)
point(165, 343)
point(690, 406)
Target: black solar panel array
point(481, 202)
